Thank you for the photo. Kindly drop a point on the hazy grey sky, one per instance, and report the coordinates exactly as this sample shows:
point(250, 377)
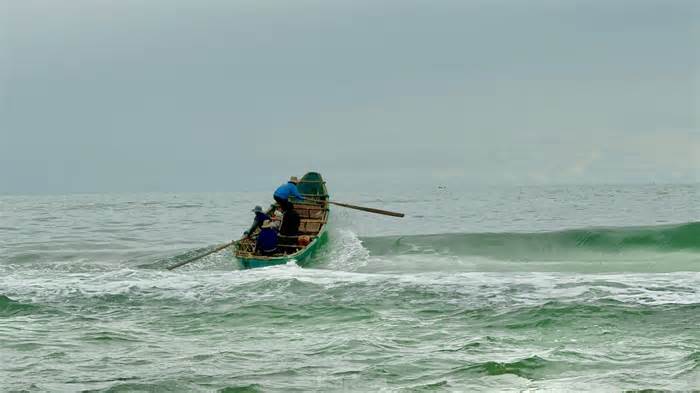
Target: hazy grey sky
point(171, 95)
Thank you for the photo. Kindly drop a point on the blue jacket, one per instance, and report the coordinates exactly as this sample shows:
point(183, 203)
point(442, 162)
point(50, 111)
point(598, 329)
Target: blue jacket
point(286, 190)
point(260, 217)
point(267, 240)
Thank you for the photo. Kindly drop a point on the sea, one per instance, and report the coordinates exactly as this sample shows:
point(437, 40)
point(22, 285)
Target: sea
point(503, 289)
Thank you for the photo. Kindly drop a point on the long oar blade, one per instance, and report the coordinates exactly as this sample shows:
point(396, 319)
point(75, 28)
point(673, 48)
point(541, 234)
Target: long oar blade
point(217, 249)
point(368, 209)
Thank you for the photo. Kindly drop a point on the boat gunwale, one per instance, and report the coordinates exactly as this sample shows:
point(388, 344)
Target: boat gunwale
point(309, 246)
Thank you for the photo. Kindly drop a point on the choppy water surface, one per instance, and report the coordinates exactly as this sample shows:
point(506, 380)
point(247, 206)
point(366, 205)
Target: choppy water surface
point(541, 288)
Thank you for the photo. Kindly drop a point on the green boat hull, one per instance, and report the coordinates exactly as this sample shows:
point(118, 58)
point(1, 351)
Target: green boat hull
point(301, 258)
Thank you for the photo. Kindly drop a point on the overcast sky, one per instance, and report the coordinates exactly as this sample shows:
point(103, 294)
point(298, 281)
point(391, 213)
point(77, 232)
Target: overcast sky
point(209, 95)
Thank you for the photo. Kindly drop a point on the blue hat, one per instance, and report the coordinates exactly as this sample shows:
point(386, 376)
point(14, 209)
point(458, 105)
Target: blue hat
point(257, 209)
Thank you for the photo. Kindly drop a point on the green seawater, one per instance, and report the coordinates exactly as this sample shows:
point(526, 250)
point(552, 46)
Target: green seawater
point(569, 288)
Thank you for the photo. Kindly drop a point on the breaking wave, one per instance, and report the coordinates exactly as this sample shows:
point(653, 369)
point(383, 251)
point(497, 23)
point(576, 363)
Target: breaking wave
point(544, 245)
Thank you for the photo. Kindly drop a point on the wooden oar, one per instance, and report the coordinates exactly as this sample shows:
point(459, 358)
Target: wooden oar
point(221, 247)
point(364, 209)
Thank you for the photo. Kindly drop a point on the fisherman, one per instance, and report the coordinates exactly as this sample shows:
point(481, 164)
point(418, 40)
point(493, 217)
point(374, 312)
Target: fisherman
point(276, 219)
point(289, 189)
point(289, 230)
point(267, 239)
point(260, 217)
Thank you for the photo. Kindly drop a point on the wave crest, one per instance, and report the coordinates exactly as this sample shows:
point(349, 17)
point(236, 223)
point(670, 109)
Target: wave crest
point(544, 245)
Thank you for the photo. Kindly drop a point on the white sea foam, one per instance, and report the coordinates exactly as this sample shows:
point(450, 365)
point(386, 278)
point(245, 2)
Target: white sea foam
point(345, 251)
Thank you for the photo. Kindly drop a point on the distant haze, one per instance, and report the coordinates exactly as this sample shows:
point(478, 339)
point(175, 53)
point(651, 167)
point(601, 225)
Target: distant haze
point(212, 95)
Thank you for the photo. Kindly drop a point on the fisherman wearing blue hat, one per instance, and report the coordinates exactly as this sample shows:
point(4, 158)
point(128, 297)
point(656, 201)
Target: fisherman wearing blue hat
point(260, 218)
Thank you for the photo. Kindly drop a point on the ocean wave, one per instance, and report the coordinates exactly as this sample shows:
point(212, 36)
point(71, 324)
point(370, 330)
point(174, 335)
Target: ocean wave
point(544, 245)
point(350, 293)
point(527, 368)
point(9, 307)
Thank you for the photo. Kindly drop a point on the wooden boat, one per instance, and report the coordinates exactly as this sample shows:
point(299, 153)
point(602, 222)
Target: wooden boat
point(314, 220)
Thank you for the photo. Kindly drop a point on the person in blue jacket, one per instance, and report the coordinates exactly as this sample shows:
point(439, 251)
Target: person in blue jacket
point(267, 239)
point(260, 217)
point(283, 192)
